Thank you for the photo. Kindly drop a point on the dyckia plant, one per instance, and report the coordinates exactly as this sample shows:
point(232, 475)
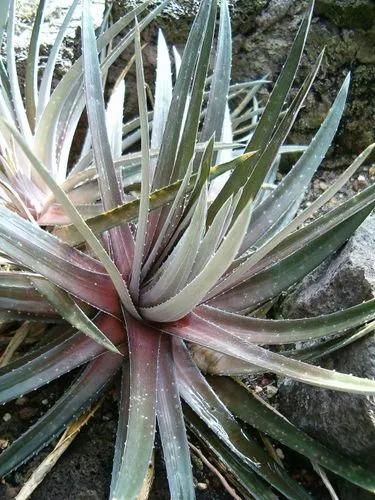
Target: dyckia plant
point(150, 264)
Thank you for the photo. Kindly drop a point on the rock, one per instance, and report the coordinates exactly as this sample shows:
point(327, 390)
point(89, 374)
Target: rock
point(343, 421)
point(54, 16)
point(263, 32)
point(348, 13)
point(345, 280)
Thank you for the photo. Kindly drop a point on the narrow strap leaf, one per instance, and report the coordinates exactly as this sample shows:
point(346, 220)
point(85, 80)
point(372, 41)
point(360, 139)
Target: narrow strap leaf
point(76, 218)
point(298, 178)
point(145, 171)
point(218, 96)
point(45, 84)
point(13, 77)
point(71, 312)
point(32, 65)
point(109, 184)
point(245, 476)
point(267, 124)
point(201, 398)
point(67, 352)
point(68, 268)
point(283, 331)
point(172, 427)
point(195, 329)
point(143, 355)
point(259, 414)
point(179, 305)
point(75, 401)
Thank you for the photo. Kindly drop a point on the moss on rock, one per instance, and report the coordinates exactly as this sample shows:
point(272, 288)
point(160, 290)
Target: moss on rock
point(359, 14)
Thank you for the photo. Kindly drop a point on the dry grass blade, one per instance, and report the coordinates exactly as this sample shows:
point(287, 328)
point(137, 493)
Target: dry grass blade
point(224, 482)
point(14, 344)
point(326, 481)
point(149, 479)
point(63, 444)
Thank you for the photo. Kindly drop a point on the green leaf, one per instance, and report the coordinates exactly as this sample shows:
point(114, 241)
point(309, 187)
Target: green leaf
point(143, 354)
point(46, 81)
point(298, 178)
point(71, 312)
point(269, 120)
point(145, 171)
point(254, 411)
point(175, 272)
point(185, 300)
point(217, 100)
point(129, 211)
point(32, 65)
point(194, 329)
point(176, 113)
point(242, 474)
point(172, 427)
point(13, 77)
point(197, 393)
point(293, 257)
point(69, 351)
point(284, 331)
point(75, 401)
point(76, 218)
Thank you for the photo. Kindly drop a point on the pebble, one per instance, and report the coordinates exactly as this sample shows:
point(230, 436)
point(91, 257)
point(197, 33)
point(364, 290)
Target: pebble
point(45, 402)
point(271, 391)
point(280, 453)
point(360, 183)
point(21, 401)
point(323, 185)
point(7, 417)
point(3, 443)
point(27, 413)
point(202, 486)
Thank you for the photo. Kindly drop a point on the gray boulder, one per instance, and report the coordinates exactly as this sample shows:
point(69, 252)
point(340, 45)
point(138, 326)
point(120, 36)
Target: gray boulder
point(263, 31)
point(343, 421)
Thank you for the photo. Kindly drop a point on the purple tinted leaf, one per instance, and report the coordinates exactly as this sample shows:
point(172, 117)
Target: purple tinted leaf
point(109, 184)
point(268, 331)
point(75, 401)
point(68, 268)
point(172, 426)
point(194, 329)
point(201, 398)
point(67, 352)
point(143, 356)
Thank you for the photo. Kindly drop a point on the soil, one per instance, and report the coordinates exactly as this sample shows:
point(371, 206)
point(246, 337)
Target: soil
point(84, 470)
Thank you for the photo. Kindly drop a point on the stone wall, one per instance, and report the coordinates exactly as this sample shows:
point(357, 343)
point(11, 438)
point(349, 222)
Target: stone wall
point(263, 31)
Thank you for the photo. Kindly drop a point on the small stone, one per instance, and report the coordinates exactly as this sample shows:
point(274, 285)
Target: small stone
point(271, 391)
point(280, 453)
point(21, 401)
point(322, 185)
point(258, 389)
point(27, 413)
point(7, 417)
point(45, 402)
point(202, 486)
point(360, 183)
point(3, 443)
point(344, 280)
